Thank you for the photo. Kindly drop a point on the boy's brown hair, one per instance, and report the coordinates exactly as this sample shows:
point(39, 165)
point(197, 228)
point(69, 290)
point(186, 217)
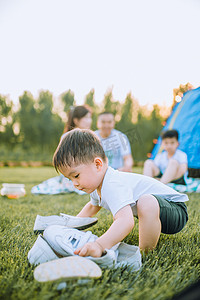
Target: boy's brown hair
point(79, 146)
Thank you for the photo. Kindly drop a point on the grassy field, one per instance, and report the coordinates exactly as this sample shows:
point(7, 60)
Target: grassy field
point(174, 265)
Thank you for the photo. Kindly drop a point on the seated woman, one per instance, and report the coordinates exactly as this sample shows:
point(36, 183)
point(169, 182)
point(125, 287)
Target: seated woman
point(78, 117)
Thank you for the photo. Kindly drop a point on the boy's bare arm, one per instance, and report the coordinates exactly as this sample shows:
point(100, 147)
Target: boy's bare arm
point(120, 228)
point(89, 210)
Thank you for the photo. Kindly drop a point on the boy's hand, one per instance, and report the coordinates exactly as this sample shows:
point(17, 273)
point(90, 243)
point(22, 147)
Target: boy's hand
point(90, 249)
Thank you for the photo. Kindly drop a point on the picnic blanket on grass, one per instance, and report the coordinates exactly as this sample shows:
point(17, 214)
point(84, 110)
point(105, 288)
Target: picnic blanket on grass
point(55, 185)
point(192, 186)
point(61, 185)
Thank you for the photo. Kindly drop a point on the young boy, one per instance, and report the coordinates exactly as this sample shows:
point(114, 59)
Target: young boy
point(169, 165)
point(80, 157)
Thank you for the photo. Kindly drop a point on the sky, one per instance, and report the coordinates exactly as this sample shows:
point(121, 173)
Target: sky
point(138, 46)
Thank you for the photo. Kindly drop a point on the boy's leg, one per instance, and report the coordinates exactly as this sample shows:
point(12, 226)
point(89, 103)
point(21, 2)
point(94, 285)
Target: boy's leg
point(173, 171)
point(149, 222)
point(150, 169)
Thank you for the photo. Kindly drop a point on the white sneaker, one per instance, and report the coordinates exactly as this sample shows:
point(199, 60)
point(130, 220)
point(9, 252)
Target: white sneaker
point(130, 256)
point(65, 268)
point(66, 240)
point(42, 222)
point(108, 260)
point(41, 252)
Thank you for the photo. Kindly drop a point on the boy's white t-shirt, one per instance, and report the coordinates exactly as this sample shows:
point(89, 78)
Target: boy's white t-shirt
point(122, 188)
point(161, 160)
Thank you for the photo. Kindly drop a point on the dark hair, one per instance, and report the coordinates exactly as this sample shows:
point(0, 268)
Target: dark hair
point(75, 112)
point(79, 146)
point(105, 113)
point(170, 134)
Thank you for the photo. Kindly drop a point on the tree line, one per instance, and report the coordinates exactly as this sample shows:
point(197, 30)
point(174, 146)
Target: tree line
point(33, 129)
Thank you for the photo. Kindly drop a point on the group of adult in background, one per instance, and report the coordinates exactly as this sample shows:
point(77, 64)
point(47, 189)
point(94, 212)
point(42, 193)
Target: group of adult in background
point(168, 166)
point(115, 143)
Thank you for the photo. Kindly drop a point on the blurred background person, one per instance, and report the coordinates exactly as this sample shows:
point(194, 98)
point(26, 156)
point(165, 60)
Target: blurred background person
point(78, 117)
point(115, 143)
point(171, 165)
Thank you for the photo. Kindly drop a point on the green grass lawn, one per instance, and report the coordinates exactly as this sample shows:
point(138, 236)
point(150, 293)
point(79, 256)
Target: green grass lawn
point(174, 265)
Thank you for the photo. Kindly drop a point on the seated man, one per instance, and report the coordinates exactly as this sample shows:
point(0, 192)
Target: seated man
point(169, 165)
point(115, 144)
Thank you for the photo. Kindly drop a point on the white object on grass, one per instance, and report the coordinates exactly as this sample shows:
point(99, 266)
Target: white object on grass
point(13, 190)
point(41, 252)
point(42, 222)
point(72, 267)
point(66, 240)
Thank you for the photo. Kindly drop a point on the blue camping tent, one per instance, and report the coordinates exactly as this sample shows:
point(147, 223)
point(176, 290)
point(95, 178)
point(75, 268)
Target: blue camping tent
point(185, 118)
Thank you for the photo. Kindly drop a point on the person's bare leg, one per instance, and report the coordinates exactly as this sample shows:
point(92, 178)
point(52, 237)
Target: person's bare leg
point(150, 169)
point(149, 222)
point(172, 172)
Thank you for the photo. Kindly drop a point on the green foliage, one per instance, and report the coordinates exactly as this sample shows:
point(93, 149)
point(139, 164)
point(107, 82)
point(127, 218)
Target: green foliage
point(141, 133)
point(39, 128)
point(125, 124)
point(174, 265)
point(183, 88)
point(28, 121)
point(6, 122)
point(5, 107)
point(146, 130)
point(22, 155)
point(68, 100)
point(109, 104)
point(127, 110)
point(89, 100)
point(50, 125)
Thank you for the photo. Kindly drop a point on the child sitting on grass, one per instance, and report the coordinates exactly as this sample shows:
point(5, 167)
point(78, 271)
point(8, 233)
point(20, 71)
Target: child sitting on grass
point(81, 158)
point(171, 164)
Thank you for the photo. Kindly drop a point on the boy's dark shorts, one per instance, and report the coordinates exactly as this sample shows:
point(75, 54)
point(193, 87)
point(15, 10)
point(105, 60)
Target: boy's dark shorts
point(173, 215)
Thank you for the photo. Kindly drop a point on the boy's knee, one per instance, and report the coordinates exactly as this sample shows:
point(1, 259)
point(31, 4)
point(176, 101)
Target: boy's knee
point(150, 165)
point(148, 162)
point(174, 162)
point(147, 205)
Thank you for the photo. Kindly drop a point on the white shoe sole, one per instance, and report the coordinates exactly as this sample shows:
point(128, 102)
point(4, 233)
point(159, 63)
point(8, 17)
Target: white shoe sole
point(72, 267)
